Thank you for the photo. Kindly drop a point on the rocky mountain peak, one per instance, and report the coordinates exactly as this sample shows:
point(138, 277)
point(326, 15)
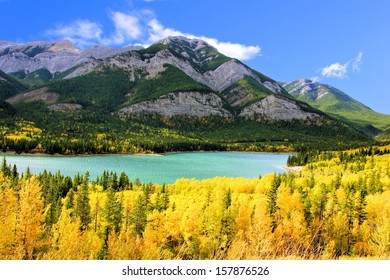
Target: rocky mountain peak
point(63, 45)
point(303, 87)
point(192, 43)
point(194, 49)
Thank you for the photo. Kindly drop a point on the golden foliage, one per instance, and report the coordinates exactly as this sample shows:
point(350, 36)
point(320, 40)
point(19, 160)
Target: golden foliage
point(331, 209)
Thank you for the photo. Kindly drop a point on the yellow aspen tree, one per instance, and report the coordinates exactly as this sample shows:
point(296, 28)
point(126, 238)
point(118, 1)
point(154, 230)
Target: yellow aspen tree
point(66, 240)
point(257, 242)
point(155, 236)
point(8, 212)
point(378, 219)
point(30, 220)
point(125, 246)
point(290, 231)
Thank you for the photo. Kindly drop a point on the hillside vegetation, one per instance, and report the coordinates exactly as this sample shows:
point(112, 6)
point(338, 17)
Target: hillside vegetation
point(33, 128)
point(336, 207)
point(337, 103)
point(9, 86)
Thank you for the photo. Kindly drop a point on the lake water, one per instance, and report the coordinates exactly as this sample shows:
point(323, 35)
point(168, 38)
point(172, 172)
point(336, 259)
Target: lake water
point(157, 169)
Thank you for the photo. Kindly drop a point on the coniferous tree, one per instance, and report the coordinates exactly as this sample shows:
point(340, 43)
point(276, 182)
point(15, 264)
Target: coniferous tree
point(138, 217)
point(227, 200)
point(113, 212)
point(123, 181)
point(83, 209)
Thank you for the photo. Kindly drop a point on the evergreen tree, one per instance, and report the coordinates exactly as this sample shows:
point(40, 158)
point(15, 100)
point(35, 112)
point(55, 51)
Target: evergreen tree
point(123, 181)
point(139, 215)
point(83, 209)
point(5, 168)
point(227, 199)
point(113, 212)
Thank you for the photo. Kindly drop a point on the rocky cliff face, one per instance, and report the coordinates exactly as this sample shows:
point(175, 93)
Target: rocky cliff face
point(180, 103)
point(277, 108)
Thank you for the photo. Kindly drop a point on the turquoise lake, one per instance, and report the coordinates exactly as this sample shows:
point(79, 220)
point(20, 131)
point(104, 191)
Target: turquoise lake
point(157, 169)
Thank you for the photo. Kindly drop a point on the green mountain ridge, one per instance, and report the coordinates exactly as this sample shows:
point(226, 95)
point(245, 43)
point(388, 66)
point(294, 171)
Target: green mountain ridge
point(337, 103)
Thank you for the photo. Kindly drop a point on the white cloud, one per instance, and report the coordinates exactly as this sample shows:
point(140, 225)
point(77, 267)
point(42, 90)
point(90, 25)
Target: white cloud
point(338, 70)
point(235, 50)
point(357, 62)
point(83, 33)
point(127, 28)
point(140, 28)
point(335, 70)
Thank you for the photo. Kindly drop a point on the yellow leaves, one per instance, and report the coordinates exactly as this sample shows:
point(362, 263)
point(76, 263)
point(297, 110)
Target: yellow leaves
point(378, 206)
point(378, 219)
point(155, 236)
point(24, 130)
point(290, 218)
point(329, 211)
point(290, 231)
point(66, 241)
point(258, 242)
point(30, 219)
point(8, 211)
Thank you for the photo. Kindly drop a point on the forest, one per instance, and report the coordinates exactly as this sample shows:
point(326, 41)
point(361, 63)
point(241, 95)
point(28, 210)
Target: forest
point(336, 207)
point(32, 128)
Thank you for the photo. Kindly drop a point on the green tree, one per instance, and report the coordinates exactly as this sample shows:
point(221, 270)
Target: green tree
point(138, 218)
point(83, 209)
point(113, 212)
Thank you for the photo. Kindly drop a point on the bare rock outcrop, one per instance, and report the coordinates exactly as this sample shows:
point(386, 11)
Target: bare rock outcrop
point(65, 107)
point(40, 94)
point(179, 103)
point(277, 108)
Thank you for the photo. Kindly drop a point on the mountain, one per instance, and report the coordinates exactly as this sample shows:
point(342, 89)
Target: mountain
point(177, 94)
point(337, 103)
point(9, 86)
point(40, 62)
point(175, 76)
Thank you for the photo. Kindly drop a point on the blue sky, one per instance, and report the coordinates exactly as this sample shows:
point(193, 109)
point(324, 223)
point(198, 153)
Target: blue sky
point(344, 43)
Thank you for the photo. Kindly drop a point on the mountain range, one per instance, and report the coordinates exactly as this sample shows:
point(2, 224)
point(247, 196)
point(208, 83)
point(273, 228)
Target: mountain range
point(176, 76)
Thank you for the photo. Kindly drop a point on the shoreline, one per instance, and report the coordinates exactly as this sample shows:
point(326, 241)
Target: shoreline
point(40, 154)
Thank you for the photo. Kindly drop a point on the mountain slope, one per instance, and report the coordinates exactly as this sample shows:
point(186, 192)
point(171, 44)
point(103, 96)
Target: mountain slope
point(9, 86)
point(384, 136)
point(337, 103)
point(39, 62)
